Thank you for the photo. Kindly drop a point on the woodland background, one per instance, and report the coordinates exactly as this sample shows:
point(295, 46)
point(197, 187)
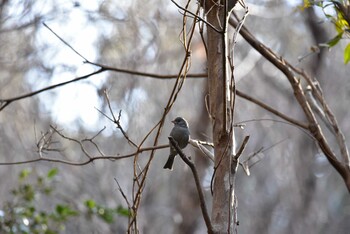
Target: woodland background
point(291, 189)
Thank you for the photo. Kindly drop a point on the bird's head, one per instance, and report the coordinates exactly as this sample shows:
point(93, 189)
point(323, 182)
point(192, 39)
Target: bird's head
point(179, 121)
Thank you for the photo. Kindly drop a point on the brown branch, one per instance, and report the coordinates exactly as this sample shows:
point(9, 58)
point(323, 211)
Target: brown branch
point(198, 184)
point(6, 102)
point(91, 159)
point(146, 74)
point(159, 126)
point(197, 17)
point(241, 148)
point(270, 109)
point(332, 121)
point(200, 145)
point(313, 126)
point(123, 194)
point(66, 43)
point(117, 121)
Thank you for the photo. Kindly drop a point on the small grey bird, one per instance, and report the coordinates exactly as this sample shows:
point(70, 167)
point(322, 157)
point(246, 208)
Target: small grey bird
point(181, 135)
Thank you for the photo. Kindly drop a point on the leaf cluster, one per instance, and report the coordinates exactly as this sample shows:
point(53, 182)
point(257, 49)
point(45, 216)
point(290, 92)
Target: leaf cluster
point(25, 213)
point(340, 19)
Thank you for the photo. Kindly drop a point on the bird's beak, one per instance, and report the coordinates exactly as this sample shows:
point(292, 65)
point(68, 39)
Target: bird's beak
point(173, 121)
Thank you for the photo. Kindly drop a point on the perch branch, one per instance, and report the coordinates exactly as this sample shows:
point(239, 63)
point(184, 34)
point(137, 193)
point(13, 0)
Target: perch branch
point(198, 184)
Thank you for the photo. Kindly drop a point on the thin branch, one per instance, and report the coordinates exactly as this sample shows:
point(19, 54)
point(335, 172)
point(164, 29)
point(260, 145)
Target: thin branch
point(146, 74)
point(117, 121)
point(80, 143)
point(270, 109)
point(241, 148)
point(66, 43)
point(172, 98)
point(318, 95)
point(6, 102)
point(317, 109)
point(199, 144)
point(196, 16)
point(198, 184)
point(241, 123)
point(313, 126)
point(72, 163)
point(262, 150)
point(123, 194)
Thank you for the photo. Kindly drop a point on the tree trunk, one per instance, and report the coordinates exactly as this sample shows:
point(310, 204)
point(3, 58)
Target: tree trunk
point(219, 80)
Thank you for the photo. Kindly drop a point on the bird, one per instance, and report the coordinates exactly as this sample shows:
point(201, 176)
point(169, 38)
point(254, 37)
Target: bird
point(181, 134)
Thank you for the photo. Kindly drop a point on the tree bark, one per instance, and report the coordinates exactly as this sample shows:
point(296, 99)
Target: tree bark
point(220, 108)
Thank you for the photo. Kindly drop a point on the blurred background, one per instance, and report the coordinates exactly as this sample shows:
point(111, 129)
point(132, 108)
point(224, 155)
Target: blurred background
point(292, 189)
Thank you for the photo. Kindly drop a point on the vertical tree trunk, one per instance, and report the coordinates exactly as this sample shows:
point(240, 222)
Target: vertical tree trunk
point(221, 112)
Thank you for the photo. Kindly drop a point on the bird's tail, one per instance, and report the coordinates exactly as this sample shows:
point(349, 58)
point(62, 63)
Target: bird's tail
point(169, 163)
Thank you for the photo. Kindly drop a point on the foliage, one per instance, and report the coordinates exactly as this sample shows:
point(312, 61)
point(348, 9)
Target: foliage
point(340, 20)
point(23, 213)
point(105, 213)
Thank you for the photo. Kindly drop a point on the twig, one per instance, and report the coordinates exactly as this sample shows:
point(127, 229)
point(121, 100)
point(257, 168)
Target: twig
point(314, 128)
point(261, 150)
point(270, 109)
point(6, 102)
point(146, 74)
point(241, 123)
point(198, 184)
point(66, 43)
point(80, 143)
point(123, 194)
point(117, 121)
point(94, 158)
point(317, 109)
point(199, 144)
point(196, 16)
point(159, 126)
point(241, 148)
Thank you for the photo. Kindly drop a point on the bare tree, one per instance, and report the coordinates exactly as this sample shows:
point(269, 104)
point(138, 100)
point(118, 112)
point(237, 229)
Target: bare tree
point(213, 26)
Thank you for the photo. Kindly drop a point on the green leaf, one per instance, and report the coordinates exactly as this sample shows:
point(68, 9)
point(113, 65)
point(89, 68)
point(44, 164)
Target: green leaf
point(106, 214)
point(64, 211)
point(306, 4)
point(123, 211)
point(340, 25)
point(90, 204)
point(24, 174)
point(28, 212)
point(335, 40)
point(347, 54)
point(53, 172)
point(27, 192)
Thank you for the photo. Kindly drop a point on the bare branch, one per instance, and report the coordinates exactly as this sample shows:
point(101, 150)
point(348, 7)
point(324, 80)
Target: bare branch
point(72, 163)
point(198, 184)
point(66, 43)
point(313, 126)
point(6, 102)
point(172, 98)
point(117, 121)
point(123, 194)
point(147, 74)
point(198, 17)
point(200, 145)
point(270, 109)
point(241, 148)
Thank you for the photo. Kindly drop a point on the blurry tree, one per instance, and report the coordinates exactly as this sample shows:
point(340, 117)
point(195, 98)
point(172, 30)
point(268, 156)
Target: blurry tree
point(105, 123)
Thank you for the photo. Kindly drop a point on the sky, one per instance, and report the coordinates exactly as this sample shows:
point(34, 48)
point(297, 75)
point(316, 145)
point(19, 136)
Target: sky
point(72, 105)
